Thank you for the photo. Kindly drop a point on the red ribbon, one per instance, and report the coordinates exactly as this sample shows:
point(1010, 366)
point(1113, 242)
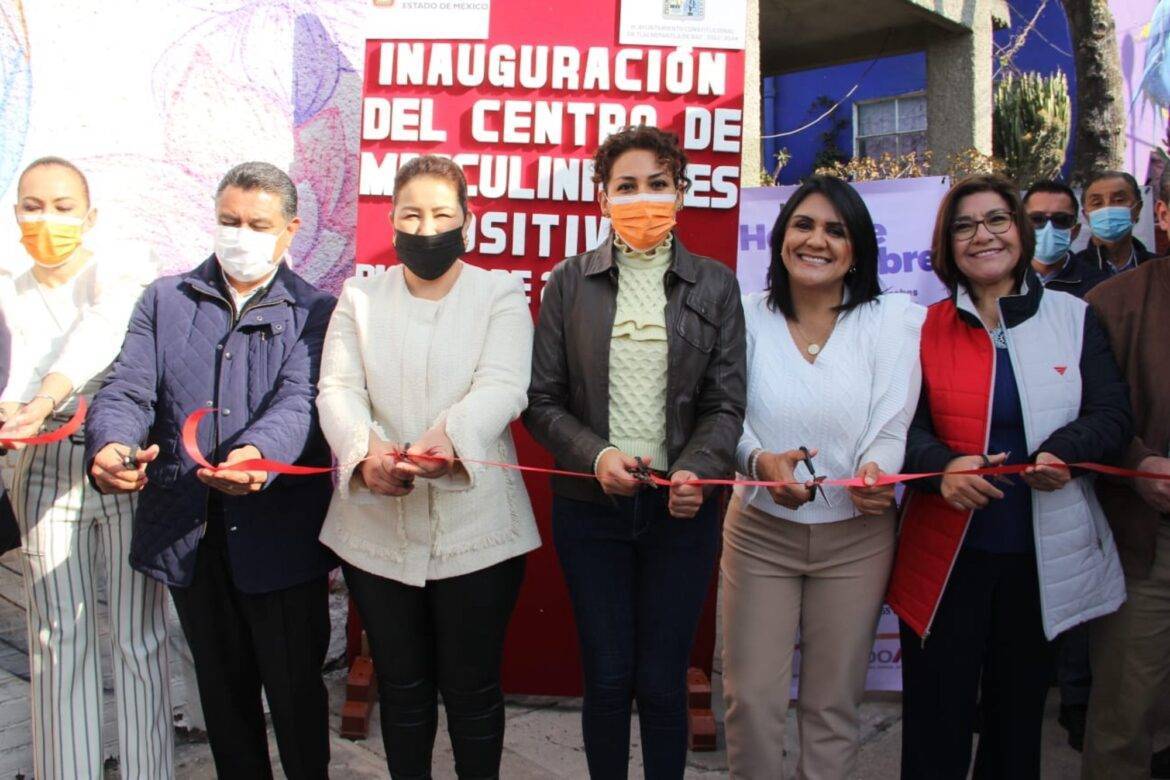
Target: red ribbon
point(191, 445)
point(71, 426)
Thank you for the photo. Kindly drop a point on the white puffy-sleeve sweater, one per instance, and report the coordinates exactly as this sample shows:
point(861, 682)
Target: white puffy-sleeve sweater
point(396, 365)
point(854, 403)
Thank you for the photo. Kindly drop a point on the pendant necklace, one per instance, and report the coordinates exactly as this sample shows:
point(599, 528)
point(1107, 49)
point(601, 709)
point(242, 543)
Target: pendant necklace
point(813, 348)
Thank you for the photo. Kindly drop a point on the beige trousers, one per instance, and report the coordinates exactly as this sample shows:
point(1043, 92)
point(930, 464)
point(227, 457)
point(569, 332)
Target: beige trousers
point(828, 580)
point(1130, 655)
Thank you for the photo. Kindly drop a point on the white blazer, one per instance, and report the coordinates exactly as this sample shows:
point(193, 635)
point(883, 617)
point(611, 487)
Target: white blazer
point(397, 365)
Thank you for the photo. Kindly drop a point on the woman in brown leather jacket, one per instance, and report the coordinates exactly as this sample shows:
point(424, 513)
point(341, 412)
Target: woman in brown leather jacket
point(638, 366)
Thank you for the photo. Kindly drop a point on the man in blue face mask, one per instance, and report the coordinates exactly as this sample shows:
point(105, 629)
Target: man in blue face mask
point(1052, 208)
point(1113, 203)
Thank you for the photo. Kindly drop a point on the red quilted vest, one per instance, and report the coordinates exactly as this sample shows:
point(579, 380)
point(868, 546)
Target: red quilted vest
point(958, 361)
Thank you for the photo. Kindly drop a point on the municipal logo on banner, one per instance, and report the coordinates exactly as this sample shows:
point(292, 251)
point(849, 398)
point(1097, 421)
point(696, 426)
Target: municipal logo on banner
point(464, 20)
point(683, 23)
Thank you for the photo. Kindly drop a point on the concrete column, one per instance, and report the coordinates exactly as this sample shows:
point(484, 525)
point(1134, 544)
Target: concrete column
point(749, 168)
point(959, 90)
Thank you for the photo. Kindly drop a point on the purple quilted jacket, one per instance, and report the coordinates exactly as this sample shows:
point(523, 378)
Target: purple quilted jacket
point(182, 352)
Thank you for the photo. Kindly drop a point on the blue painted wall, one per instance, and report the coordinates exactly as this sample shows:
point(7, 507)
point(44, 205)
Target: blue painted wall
point(788, 100)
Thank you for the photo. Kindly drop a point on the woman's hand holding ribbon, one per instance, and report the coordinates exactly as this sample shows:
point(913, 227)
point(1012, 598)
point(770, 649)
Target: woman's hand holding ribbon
point(377, 471)
point(873, 499)
point(431, 457)
point(779, 467)
point(970, 491)
point(25, 422)
point(1047, 473)
point(615, 472)
point(685, 499)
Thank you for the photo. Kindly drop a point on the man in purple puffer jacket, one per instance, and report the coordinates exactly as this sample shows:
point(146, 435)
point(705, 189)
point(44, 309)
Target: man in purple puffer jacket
point(241, 333)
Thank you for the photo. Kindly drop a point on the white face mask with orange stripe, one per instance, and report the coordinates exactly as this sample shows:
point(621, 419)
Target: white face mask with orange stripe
point(643, 221)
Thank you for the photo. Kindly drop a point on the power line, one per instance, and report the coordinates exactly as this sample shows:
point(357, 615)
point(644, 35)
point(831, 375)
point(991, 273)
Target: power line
point(845, 97)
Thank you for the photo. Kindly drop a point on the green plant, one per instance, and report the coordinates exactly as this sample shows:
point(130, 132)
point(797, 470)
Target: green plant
point(1033, 119)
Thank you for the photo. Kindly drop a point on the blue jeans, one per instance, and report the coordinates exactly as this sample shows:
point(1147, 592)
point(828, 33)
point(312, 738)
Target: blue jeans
point(637, 578)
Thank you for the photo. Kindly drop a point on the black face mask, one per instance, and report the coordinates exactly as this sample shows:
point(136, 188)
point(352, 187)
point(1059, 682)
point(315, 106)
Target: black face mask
point(429, 257)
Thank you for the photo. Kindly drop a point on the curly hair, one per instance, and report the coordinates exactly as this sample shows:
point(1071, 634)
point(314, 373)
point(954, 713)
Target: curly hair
point(435, 167)
point(662, 143)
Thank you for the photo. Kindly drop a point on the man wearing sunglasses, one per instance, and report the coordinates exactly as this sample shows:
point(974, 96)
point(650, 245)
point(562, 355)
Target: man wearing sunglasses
point(1052, 208)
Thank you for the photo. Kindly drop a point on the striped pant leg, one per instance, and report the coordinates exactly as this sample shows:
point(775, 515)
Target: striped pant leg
point(59, 561)
point(138, 633)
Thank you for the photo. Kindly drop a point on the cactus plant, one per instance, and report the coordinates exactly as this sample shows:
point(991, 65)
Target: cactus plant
point(1032, 125)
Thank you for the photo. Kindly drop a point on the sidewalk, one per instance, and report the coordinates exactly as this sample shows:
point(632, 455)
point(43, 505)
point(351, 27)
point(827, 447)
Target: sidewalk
point(543, 741)
point(543, 738)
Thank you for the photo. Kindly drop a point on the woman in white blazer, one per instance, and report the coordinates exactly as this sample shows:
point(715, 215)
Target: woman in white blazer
point(424, 368)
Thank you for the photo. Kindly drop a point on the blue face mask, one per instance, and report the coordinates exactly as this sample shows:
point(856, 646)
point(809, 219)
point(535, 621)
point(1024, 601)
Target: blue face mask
point(1052, 243)
point(1111, 223)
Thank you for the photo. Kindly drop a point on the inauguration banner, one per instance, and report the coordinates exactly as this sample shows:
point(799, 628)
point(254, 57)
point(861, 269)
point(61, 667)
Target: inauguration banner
point(521, 94)
point(903, 215)
point(903, 212)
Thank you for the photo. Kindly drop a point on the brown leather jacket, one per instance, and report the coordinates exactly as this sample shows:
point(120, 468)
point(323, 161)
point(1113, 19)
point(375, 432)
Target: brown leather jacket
point(568, 399)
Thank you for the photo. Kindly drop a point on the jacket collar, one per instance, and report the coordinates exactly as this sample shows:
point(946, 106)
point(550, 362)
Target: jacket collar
point(1071, 273)
point(1093, 255)
point(1015, 308)
point(208, 279)
point(683, 264)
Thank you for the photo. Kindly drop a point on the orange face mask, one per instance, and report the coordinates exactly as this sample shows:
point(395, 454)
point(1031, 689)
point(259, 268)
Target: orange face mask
point(643, 221)
point(50, 240)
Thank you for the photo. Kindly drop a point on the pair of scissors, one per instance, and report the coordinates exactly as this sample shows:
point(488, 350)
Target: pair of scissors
point(812, 491)
point(642, 472)
point(1000, 478)
point(130, 459)
point(403, 456)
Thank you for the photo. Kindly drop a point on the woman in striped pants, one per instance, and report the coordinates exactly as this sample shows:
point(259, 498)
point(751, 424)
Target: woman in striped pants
point(68, 316)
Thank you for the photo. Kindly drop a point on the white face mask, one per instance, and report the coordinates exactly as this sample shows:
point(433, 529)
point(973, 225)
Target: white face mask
point(245, 254)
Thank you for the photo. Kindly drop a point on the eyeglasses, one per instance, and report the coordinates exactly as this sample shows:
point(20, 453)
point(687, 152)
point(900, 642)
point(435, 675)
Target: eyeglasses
point(996, 222)
point(1061, 220)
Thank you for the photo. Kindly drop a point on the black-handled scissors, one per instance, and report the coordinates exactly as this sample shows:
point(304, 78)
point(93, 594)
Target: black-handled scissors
point(642, 472)
point(1000, 478)
point(808, 464)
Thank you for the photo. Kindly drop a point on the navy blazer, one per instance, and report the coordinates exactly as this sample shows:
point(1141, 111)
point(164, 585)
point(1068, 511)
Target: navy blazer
point(186, 349)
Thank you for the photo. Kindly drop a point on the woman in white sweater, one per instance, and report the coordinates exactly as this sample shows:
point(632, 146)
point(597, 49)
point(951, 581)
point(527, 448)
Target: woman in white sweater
point(832, 367)
point(424, 367)
point(68, 315)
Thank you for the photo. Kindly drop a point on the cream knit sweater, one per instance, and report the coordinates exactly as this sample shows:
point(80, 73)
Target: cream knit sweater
point(637, 353)
point(396, 365)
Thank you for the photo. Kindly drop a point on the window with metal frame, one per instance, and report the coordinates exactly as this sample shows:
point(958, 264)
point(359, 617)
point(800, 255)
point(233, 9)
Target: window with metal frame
point(895, 125)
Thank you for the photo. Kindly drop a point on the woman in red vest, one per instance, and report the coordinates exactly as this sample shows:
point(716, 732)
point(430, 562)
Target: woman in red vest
point(990, 570)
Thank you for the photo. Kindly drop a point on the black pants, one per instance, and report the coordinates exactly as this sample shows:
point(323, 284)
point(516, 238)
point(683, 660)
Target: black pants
point(637, 578)
point(447, 636)
point(987, 638)
point(242, 642)
point(1072, 666)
